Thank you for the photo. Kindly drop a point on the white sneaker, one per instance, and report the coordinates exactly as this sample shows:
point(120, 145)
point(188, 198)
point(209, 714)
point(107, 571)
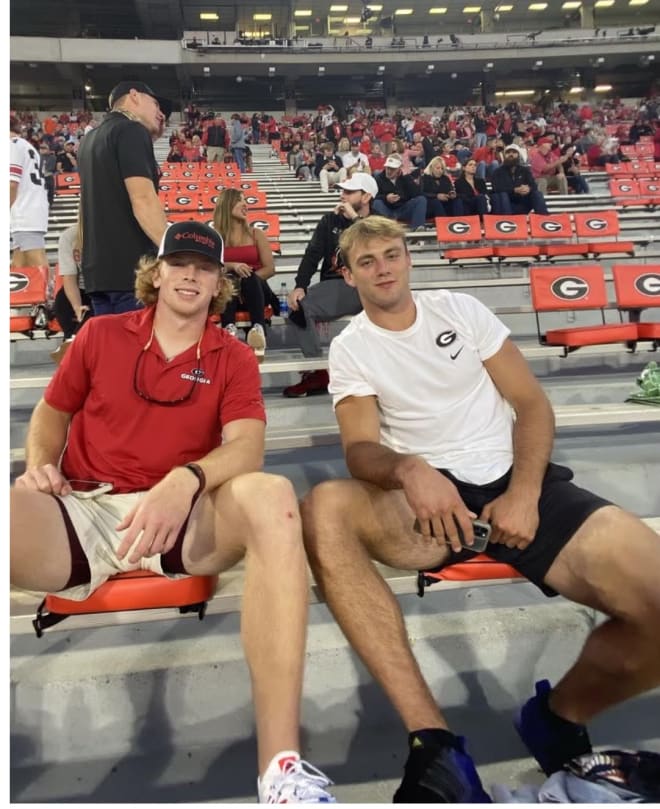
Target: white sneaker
point(289, 779)
point(256, 339)
point(231, 329)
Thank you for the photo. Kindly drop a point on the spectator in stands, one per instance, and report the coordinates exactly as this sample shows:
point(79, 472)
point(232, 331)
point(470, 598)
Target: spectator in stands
point(306, 165)
point(237, 141)
point(430, 439)
point(122, 216)
point(174, 155)
point(343, 148)
point(514, 187)
point(66, 160)
point(329, 167)
point(215, 139)
point(486, 157)
point(72, 303)
point(574, 178)
point(355, 159)
point(399, 197)
point(438, 190)
point(604, 150)
point(331, 298)
point(248, 263)
point(187, 506)
point(28, 202)
point(47, 168)
point(191, 153)
point(376, 159)
point(547, 169)
point(471, 190)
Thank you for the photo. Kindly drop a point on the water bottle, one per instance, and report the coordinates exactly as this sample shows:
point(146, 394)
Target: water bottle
point(283, 299)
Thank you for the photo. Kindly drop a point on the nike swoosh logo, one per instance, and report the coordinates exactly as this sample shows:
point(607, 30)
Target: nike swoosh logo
point(453, 356)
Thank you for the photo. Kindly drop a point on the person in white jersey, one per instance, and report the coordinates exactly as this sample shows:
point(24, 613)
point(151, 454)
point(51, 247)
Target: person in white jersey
point(442, 421)
point(28, 202)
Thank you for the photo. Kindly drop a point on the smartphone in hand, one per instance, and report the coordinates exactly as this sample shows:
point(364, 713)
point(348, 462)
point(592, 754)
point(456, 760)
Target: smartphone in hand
point(481, 535)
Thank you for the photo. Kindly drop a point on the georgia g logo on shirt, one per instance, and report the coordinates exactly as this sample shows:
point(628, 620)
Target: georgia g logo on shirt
point(445, 338)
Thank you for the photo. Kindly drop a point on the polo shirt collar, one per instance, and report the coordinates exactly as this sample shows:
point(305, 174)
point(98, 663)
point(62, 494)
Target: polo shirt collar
point(141, 323)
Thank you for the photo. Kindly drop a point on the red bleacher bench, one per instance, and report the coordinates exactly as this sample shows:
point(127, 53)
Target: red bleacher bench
point(463, 234)
point(479, 568)
point(637, 287)
point(577, 287)
point(28, 304)
point(594, 227)
point(510, 236)
point(135, 590)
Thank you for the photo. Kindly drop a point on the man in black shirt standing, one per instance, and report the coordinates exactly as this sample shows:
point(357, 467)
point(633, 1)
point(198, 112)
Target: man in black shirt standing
point(216, 140)
point(122, 217)
point(514, 187)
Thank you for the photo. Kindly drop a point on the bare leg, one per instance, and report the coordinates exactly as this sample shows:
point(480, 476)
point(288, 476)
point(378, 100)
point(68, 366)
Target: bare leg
point(345, 523)
point(612, 564)
point(258, 514)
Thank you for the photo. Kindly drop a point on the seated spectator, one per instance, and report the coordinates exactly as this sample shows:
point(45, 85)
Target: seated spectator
point(190, 153)
point(71, 304)
point(486, 157)
point(248, 263)
point(305, 165)
point(329, 167)
point(438, 190)
point(574, 178)
point(602, 152)
point(355, 158)
point(471, 190)
point(65, 159)
point(399, 197)
point(514, 187)
point(548, 170)
point(377, 159)
point(174, 155)
point(343, 148)
point(199, 146)
point(447, 153)
point(414, 160)
point(332, 297)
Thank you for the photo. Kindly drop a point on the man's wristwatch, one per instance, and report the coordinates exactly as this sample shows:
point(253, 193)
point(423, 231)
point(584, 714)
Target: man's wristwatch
point(198, 472)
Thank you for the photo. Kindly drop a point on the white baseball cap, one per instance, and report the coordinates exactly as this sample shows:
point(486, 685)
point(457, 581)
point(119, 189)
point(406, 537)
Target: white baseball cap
point(360, 181)
point(393, 162)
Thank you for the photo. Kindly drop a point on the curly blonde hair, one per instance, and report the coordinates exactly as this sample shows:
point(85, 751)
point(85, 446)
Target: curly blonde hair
point(146, 292)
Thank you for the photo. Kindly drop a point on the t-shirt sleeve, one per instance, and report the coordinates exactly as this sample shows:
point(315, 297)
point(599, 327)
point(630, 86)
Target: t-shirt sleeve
point(65, 260)
point(346, 375)
point(70, 384)
point(242, 398)
point(135, 152)
point(487, 331)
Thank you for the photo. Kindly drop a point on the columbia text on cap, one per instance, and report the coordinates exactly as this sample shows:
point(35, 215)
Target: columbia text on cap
point(192, 237)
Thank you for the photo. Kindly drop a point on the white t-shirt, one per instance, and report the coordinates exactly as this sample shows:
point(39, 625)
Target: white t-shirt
point(30, 211)
point(435, 397)
point(360, 159)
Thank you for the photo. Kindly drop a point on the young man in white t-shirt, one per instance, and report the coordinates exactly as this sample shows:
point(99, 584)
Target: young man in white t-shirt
point(425, 388)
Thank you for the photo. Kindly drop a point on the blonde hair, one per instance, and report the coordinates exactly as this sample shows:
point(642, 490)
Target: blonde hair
point(146, 292)
point(222, 215)
point(344, 145)
point(366, 230)
point(436, 161)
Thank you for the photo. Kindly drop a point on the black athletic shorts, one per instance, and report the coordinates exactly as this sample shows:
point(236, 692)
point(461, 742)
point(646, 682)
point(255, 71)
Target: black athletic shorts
point(563, 507)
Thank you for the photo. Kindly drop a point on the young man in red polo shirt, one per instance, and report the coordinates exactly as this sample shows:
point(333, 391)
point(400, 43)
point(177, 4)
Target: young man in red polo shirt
point(167, 409)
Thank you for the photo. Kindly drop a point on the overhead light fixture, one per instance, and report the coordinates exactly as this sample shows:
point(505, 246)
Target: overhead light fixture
point(513, 93)
point(351, 20)
point(321, 68)
point(637, 2)
point(208, 15)
point(271, 71)
point(403, 12)
point(381, 70)
point(571, 4)
point(651, 57)
point(576, 90)
point(500, 9)
point(338, 8)
point(262, 17)
point(602, 88)
point(430, 67)
point(306, 12)
point(207, 70)
point(603, 3)
point(538, 63)
point(537, 6)
point(375, 8)
point(489, 65)
point(301, 27)
point(600, 60)
point(471, 9)
point(453, 76)
point(439, 10)
point(88, 88)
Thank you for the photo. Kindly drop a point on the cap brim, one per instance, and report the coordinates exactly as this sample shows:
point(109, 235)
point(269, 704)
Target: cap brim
point(165, 105)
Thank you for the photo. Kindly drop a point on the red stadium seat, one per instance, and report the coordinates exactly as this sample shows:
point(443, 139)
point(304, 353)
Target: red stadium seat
point(479, 568)
point(577, 287)
point(28, 302)
point(511, 236)
point(269, 223)
point(461, 230)
point(637, 287)
point(136, 590)
point(556, 228)
point(599, 224)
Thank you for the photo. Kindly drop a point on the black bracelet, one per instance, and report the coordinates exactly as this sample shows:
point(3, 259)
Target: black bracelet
point(198, 472)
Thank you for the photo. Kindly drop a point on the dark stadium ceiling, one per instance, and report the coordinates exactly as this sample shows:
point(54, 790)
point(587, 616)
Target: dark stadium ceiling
point(167, 19)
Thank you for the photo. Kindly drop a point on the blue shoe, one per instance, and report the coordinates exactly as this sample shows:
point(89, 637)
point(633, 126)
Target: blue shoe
point(439, 770)
point(552, 741)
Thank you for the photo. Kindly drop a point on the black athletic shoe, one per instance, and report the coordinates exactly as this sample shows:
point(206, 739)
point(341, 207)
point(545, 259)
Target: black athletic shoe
point(439, 770)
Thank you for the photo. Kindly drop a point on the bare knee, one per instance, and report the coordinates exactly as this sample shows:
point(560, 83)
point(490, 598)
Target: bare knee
point(329, 513)
point(268, 505)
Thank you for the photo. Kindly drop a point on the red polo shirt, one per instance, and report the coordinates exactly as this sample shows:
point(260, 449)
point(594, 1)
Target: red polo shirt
point(119, 437)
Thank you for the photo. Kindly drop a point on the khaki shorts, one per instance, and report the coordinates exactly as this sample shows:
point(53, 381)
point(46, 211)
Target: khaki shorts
point(95, 521)
point(25, 240)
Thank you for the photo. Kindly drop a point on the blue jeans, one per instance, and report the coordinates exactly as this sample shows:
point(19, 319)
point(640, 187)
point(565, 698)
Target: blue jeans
point(480, 140)
point(478, 204)
point(113, 303)
point(239, 157)
point(413, 211)
point(509, 204)
point(486, 169)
